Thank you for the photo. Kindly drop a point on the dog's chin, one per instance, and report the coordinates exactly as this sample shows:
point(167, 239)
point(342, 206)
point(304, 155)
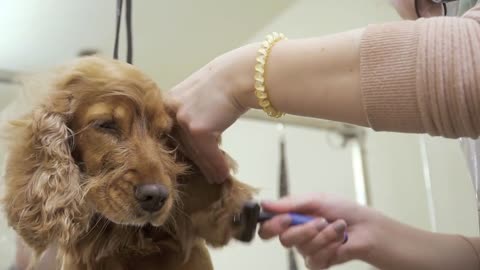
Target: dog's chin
point(159, 221)
point(155, 220)
point(141, 218)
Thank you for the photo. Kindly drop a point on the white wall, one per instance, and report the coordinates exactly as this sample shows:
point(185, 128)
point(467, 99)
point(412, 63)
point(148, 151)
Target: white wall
point(7, 237)
point(453, 194)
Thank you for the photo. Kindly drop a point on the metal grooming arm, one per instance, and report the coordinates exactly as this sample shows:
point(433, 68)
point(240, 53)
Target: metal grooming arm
point(7, 76)
point(351, 134)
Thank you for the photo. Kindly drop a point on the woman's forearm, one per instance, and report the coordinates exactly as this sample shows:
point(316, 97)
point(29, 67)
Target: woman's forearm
point(402, 247)
point(317, 77)
point(390, 77)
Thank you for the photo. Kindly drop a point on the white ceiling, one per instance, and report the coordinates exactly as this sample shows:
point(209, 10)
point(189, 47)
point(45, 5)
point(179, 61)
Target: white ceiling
point(171, 37)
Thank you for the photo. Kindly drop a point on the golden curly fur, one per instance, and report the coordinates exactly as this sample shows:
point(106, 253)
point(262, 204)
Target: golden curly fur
point(76, 158)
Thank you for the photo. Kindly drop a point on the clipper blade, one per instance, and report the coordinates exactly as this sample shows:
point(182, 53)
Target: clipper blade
point(247, 221)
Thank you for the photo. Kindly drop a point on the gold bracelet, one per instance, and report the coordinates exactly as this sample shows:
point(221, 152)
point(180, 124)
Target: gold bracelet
point(260, 90)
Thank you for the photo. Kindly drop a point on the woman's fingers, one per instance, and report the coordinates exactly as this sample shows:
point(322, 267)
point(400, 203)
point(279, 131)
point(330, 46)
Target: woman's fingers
point(203, 149)
point(274, 226)
point(317, 241)
point(301, 234)
point(323, 258)
point(301, 204)
point(324, 246)
point(210, 159)
point(307, 238)
point(199, 143)
point(333, 233)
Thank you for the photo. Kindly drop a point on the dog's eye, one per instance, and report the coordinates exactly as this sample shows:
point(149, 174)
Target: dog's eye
point(107, 126)
point(161, 136)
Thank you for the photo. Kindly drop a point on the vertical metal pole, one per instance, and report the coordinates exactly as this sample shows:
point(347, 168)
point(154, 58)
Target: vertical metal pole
point(361, 177)
point(427, 177)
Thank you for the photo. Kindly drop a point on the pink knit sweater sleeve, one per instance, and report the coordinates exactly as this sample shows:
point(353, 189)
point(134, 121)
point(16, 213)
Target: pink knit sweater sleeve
point(423, 76)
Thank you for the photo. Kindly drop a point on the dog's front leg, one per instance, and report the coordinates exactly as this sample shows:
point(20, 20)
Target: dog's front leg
point(103, 264)
point(199, 259)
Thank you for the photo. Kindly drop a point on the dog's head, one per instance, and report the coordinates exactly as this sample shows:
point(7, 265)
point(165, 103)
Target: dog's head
point(121, 143)
point(98, 143)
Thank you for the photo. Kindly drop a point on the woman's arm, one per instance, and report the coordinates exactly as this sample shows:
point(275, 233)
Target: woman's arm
point(316, 77)
point(404, 247)
point(373, 237)
point(411, 76)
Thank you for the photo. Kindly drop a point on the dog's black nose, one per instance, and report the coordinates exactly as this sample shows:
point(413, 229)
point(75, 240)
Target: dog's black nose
point(151, 197)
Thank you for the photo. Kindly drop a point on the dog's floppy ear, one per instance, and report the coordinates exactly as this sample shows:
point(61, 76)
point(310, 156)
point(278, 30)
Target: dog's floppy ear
point(43, 197)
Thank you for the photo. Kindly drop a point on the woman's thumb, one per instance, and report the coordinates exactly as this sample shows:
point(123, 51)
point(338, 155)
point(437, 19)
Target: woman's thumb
point(302, 204)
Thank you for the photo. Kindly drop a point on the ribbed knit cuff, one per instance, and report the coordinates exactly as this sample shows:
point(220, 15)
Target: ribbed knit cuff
point(388, 60)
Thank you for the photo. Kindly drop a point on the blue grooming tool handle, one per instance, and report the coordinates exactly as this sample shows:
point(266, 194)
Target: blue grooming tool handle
point(298, 219)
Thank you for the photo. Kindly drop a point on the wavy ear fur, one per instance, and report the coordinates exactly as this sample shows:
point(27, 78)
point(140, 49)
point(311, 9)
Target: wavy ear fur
point(43, 197)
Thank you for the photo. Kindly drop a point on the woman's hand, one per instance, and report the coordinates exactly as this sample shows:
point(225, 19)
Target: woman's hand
point(321, 243)
point(208, 102)
point(426, 8)
point(372, 237)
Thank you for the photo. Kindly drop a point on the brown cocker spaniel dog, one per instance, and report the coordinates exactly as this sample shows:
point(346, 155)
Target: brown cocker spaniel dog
point(95, 170)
